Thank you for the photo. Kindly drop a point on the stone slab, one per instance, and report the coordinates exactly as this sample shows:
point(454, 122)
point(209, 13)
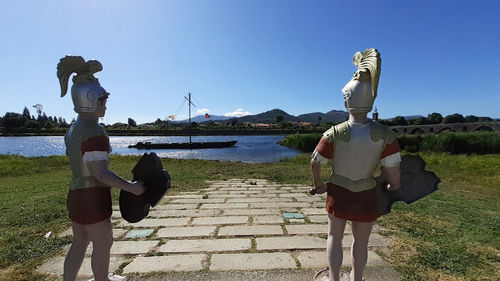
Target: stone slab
point(118, 232)
point(314, 211)
point(281, 205)
point(319, 259)
point(267, 195)
point(224, 206)
point(244, 230)
point(165, 263)
point(249, 212)
point(311, 199)
point(376, 240)
point(187, 196)
point(227, 196)
point(133, 247)
point(318, 218)
point(139, 233)
point(297, 221)
point(55, 266)
point(176, 207)
point(184, 213)
point(257, 261)
point(156, 222)
point(67, 232)
point(189, 231)
point(220, 220)
point(268, 220)
point(293, 195)
point(116, 214)
point(293, 216)
point(197, 201)
point(248, 200)
point(291, 242)
point(318, 204)
point(307, 229)
point(206, 245)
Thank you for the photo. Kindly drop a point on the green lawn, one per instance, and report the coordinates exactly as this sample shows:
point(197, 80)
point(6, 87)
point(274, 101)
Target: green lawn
point(452, 234)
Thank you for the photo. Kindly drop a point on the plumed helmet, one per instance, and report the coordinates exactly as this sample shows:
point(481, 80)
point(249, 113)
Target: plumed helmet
point(86, 89)
point(361, 91)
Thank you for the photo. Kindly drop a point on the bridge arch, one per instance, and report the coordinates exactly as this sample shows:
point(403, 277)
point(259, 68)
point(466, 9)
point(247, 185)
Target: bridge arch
point(445, 129)
point(417, 131)
point(483, 129)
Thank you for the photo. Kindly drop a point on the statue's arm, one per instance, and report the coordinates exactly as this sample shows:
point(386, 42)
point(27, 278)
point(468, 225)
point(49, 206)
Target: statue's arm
point(393, 177)
point(100, 170)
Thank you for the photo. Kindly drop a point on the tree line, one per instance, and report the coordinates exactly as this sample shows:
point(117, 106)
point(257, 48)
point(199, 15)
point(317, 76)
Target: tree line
point(435, 118)
point(13, 122)
point(25, 122)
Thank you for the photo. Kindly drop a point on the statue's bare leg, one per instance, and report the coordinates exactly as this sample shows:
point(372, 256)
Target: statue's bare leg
point(76, 252)
point(334, 251)
point(101, 235)
point(359, 251)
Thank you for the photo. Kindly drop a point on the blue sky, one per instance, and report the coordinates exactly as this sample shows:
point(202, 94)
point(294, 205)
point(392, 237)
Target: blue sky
point(250, 56)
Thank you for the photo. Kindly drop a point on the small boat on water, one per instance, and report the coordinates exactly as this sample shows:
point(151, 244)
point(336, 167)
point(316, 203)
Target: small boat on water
point(184, 145)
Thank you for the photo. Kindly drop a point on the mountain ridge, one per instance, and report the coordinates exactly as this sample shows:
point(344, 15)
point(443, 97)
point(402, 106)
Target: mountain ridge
point(270, 116)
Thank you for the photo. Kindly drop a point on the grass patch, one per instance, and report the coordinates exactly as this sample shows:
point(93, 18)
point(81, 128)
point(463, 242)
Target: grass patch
point(453, 234)
point(454, 143)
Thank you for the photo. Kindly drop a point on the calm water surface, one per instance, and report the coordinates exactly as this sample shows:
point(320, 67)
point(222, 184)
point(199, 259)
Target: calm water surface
point(251, 149)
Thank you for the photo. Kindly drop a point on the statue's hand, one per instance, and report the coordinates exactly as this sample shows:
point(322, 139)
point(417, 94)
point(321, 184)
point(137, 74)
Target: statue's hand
point(318, 189)
point(138, 188)
point(392, 187)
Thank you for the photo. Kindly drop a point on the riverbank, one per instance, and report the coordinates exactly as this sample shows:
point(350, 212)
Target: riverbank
point(453, 234)
point(450, 142)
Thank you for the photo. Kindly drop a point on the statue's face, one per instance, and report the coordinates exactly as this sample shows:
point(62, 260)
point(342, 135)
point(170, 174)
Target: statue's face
point(357, 96)
point(101, 106)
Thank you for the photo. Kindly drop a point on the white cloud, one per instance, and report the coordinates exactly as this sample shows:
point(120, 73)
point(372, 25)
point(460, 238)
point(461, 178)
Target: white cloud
point(202, 111)
point(238, 113)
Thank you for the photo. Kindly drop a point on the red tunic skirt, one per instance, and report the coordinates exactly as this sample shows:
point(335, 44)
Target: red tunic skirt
point(353, 206)
point(89, 205)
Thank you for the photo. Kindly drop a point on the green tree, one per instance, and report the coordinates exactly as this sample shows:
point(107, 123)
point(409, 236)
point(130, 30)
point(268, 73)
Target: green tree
point(484, 119)
point(434, 118)
point(49, 125)
point(131, 122)
point(420, 121)
point(453, 118)
point(26, 113)
point(471, 118)
point(279, 118)
point(13, 121)
point(384, 122)
point(399, 121)
point(33, 124)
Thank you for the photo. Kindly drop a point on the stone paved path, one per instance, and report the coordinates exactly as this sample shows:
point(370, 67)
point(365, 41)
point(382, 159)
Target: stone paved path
point(234, 225)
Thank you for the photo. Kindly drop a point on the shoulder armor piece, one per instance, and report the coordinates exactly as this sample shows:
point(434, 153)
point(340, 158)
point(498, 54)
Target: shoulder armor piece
point(379, 131)
point(338, 132)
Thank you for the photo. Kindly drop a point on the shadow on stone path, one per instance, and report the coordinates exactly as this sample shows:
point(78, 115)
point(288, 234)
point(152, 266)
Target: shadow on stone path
point(232, 230)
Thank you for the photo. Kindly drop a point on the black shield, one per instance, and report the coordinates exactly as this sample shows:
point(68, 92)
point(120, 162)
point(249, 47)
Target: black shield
point(416, 183)
point(148, 169)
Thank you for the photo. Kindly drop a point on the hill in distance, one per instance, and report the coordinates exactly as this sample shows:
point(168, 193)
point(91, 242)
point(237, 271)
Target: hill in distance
point(270, 117)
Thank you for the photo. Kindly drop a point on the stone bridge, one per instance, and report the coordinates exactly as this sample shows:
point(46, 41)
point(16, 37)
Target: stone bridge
point(454, 127)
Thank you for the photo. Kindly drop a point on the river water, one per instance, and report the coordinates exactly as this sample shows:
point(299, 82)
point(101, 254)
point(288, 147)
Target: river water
point(250, 149)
